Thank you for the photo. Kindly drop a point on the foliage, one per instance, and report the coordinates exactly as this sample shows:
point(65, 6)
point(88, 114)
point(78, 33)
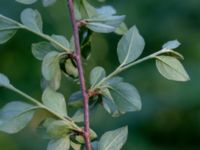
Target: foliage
point(56, 53)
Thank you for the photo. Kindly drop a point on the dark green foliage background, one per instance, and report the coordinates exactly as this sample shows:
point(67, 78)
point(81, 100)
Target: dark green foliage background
point(170, 118)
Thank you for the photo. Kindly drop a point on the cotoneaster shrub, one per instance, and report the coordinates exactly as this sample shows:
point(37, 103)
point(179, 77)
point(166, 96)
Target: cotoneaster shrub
point(59, 55)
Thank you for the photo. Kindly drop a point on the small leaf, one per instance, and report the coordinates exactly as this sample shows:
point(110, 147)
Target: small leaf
point(106, 10)
point(8, 28)
point(75, 146)
point(96, 75)
point(90, 10)
point(171, 44)
point(54, 101)
point(51, 69)
point(32, 19)
point(15, 116)
point(76, 99)
point(171, 68)
point(113, 140)
point(41, 49)
point(58, 129)
point(100, 28)
point(124, 97)
point(122, 29)
point(27, 2)
point(62, 40)
point(4, 81)
point(104, 24)
point(47, 3)
point(130, 47)
point(78, 116)
point(59, 144)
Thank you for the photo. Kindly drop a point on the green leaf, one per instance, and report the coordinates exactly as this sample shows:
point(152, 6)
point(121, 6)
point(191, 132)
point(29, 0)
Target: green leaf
point(8, 28)
point(32, 19)
point(78, 116)
point(75, 146)
point(171, 44)
point(54, 101)
point(104, 24)
point(113, 140)
point(171, 68)
point(58, 129)
point(15, 116)
point(27, 2)
point(4, 81)
point(62, 40)
point(76, 99)
point(47, 3)
point(59, 144)
point(41, 49)
point(130, 46)
point(83, 9)
point(106, 10)
point(96, 75)
point(90, 10)
point(122, 29)
point(125, 97)
point(51, 69)
point(100, 28)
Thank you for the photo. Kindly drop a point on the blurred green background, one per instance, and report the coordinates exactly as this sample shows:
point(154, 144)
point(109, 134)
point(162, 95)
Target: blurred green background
point(170, 118)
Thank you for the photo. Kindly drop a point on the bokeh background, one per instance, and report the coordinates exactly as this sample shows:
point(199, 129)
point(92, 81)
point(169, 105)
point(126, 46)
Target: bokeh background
point(170, 118)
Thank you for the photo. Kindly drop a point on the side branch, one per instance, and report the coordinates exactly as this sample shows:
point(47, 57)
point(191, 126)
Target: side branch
point(81, 74)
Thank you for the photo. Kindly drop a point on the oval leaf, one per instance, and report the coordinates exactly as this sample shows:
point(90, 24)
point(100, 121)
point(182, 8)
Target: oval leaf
point(51, 69)
point(54, 101)
point(171, 68)
point(8, 28)
point(27, 2)
point(130, 47)
point(41, 49)
point(62, 40)
point(15, 116)
point(96, 75)
point(32, 19)
point(47, 3)
point(171, 44)
point(125, 96)
point(113, 140)
point(59, 144)
point(4, 81)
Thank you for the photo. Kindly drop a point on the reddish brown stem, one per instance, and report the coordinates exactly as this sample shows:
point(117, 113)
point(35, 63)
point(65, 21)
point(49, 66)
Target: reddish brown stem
point(81, 75)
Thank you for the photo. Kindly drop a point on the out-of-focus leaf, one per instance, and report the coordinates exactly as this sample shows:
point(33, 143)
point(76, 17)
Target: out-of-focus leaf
point(76, 99)
point(8, 28)
point(51, 69)
point(96, 75)
point(27, 2)
point(47, 3)
point(62, 40)
point(14, 116)
point(54, 101)
point(41, 49)
point(59, 144)
point(32, 19)
point(171, 44)
point(4, 81)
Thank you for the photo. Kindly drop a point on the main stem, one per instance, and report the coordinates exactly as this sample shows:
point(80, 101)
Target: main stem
point(81, 75)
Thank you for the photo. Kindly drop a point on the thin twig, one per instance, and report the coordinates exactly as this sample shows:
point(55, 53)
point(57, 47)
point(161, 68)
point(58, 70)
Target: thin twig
point(81, 75)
